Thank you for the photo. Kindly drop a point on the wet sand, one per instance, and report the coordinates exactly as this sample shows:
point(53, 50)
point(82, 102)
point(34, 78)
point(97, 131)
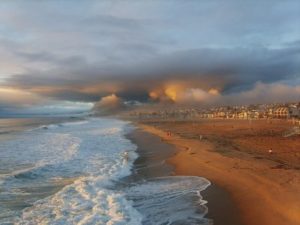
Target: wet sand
point(265, 188)
point(154, 153)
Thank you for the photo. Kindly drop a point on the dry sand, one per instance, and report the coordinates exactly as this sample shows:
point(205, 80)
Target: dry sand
point(153, 152)
point(234, 155)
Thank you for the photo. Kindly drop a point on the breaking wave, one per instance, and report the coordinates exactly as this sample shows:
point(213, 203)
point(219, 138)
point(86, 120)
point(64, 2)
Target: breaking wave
point(70, 173)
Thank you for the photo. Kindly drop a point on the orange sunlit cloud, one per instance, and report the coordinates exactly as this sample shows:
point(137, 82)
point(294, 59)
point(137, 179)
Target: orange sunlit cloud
point(15, 96)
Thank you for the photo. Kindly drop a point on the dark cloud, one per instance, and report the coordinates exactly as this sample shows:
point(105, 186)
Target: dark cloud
point(228, 70)
point(191, 50)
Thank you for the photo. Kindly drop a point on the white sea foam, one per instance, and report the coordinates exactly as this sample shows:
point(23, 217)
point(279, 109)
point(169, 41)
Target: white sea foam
point(87, 201)
point(86, 160)
point(91, 152)
point(171, 200)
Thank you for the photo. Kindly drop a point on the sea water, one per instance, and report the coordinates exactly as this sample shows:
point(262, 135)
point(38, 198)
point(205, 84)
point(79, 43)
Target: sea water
point(55, 172)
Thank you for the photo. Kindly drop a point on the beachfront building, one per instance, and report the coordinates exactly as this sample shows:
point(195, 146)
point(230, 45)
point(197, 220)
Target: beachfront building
point(270, 113)
point(260, 111)
point(254, 114)
point(220, 114)
point(294, 111)
point(242, 115)
point(281, 113)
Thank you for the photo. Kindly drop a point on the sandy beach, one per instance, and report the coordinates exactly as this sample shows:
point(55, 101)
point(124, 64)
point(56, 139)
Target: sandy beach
point(234, 156)
point(152, 162)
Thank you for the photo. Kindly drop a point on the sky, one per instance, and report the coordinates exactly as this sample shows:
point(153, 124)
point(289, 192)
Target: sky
point(69, 55)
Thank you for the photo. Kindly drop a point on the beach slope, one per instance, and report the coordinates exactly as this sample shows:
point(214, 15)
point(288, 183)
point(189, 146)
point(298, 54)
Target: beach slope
point(234, 155)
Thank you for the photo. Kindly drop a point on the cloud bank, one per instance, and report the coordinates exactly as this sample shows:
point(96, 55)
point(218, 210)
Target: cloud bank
point(213, 53)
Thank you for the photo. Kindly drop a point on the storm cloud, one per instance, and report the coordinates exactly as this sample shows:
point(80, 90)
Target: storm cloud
point(150, 51)
point(227, 70)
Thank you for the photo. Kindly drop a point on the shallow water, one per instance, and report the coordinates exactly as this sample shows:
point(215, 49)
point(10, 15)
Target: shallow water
point(170, 200)
point(70, 173)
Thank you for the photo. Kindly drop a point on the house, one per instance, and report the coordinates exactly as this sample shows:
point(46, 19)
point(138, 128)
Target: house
point(242, 115)
point(254, 114)
point(210, 115)
point(294, 112)
point(270, 113)
point(219, 114)
point(281, 112)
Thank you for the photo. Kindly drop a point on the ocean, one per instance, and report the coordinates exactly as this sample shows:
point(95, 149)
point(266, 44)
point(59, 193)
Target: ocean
point(73, 171)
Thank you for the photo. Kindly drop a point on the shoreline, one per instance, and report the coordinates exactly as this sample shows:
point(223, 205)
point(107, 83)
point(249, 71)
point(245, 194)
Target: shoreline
point(154, 161)
point(264, 192)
